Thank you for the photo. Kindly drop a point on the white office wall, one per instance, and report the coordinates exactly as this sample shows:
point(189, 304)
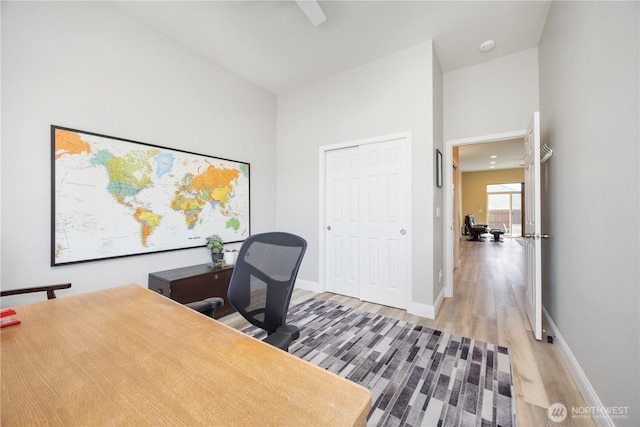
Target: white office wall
point(492, 97)
point(589, 84)
point(390, 95)
point(88, 66)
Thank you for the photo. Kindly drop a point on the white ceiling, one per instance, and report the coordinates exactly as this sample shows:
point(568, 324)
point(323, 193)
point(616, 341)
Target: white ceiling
point(478, 157)
point(274, 45)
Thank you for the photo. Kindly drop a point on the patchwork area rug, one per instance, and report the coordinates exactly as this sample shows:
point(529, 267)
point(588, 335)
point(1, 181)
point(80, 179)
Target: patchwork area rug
point(417, 376)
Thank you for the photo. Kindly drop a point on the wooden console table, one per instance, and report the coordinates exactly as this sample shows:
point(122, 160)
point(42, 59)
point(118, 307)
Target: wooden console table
point(194, 283)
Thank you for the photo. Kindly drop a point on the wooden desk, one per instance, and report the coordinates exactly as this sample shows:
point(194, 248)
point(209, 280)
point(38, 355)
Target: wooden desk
point(128, 356)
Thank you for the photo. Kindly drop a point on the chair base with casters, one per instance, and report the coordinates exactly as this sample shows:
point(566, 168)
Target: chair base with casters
point(283, 337)
point(262, 283)
point(477, 237)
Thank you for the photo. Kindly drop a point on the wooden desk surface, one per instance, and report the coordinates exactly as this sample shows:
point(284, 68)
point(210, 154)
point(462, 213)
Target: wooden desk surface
point(127, 356)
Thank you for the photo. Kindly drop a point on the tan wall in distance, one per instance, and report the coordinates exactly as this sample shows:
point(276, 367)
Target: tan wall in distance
point(474, 189)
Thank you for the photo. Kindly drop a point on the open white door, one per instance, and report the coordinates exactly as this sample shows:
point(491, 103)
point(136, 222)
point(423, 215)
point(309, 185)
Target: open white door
point(532, 226)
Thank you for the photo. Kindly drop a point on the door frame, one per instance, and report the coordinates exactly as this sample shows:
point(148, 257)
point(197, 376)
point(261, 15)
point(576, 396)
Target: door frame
point(322, 222)
point(448, 195)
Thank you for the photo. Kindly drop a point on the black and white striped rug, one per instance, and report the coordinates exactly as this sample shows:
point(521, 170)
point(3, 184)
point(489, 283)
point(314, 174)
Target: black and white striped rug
point(417, 376)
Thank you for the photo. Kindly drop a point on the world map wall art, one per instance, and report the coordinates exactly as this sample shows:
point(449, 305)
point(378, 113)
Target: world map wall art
point(114, 197)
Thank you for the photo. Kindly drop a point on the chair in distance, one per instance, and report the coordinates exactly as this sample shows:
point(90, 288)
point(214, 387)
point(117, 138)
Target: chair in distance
point(262, 283)
point(475, 230)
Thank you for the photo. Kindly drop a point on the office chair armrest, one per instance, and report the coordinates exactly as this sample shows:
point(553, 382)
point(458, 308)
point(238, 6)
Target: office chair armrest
point(49, 289)
point(283, 337)
point(206, 307)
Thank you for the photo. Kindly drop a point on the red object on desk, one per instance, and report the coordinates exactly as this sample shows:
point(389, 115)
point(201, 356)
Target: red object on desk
point(5, 320)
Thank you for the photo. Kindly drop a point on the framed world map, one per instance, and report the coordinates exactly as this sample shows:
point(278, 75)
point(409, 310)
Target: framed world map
point(113, 197)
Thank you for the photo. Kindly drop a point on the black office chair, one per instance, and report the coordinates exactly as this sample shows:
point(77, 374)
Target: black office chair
point(262, 283)
point(49, 289)
point(475, 230)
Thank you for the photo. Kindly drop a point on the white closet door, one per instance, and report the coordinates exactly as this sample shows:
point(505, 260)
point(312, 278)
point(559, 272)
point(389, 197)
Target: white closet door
point(383, 233)
point(342, 230)
point(366, 215)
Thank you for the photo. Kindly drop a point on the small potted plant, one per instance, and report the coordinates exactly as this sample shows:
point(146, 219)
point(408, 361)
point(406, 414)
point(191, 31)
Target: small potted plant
point(215, 245)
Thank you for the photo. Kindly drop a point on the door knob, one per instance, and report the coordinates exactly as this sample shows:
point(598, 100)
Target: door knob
point(403, 231)
point(533, 236)
point(328, 228)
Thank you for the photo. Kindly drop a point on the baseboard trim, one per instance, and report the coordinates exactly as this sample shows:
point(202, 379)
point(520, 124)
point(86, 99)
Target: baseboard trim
point(426, 310)
point(308, 285)
point(586, 389)
point(439, 301)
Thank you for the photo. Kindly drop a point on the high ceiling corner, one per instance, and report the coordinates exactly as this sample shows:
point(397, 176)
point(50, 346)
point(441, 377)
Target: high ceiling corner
point(275, 46)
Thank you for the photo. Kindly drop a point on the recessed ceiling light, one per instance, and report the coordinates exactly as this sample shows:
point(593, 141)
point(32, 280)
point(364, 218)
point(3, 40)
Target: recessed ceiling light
point(494, 157)
point(487, 45)
point(492, 167)
point(492, 163)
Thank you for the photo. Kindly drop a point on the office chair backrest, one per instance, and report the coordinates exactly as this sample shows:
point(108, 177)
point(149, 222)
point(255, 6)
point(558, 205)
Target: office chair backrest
point(264, 276)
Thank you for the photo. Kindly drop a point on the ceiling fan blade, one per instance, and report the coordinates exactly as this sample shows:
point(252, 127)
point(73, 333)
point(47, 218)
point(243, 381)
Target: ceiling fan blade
point(312, 9)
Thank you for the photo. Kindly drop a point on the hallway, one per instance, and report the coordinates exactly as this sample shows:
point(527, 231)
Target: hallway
point(488, 304)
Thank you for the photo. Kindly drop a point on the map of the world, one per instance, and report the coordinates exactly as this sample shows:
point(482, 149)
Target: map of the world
point(114, 197)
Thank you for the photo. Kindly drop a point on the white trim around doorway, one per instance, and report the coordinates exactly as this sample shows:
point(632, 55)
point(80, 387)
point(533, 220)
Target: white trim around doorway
point(448, 199)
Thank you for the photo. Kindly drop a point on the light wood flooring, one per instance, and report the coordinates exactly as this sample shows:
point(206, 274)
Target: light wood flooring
point(488, 305)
